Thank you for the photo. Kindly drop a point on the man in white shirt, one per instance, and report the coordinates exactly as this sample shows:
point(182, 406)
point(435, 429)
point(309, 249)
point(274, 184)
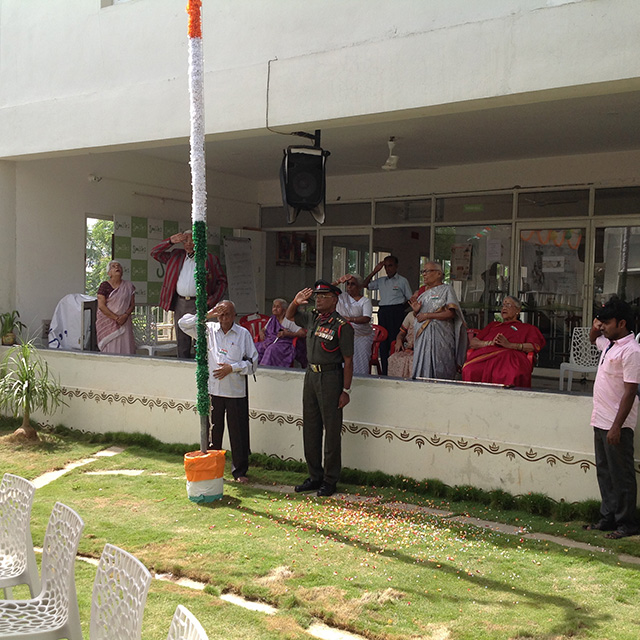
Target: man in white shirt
point(394, 292)
point(614, 418)
point(232, 357)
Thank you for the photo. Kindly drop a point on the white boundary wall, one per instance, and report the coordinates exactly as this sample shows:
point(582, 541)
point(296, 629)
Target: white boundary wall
point(519, 441)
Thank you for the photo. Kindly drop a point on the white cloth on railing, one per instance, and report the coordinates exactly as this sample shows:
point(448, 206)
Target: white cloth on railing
point(65, 330)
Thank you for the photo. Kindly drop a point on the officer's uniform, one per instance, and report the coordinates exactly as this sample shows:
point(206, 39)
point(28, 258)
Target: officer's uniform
point(329, 339)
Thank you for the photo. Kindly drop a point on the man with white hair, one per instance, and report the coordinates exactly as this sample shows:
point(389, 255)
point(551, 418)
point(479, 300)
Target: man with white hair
point(178, 293)
point(232, 358)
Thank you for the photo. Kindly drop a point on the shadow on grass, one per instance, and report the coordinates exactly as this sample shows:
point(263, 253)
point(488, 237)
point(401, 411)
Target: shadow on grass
point(574, 616)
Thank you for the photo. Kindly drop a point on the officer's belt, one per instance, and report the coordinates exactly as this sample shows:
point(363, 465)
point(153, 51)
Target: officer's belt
point(318, 368)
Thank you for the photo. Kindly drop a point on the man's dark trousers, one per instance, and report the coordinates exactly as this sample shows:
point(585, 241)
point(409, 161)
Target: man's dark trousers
point(237, 410)
point(321, 416)
point(617, 480)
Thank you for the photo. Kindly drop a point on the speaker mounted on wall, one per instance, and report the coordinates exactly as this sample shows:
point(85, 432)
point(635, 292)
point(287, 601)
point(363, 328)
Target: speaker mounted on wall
point(302, 179)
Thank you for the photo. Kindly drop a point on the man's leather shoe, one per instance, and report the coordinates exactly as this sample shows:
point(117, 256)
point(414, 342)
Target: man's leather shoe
point(326, 490)
point(308, 485)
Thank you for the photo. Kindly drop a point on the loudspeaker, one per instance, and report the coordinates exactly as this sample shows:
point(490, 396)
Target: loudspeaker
point(302, 179)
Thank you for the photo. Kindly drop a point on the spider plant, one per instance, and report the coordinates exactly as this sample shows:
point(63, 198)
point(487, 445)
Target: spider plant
point(26, 384)
point(9, 322)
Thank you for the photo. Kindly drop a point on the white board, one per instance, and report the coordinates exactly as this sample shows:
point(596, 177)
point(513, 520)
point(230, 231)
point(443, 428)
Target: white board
point(242, 288)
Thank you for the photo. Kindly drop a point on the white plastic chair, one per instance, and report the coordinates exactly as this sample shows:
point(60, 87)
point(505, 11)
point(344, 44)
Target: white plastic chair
point(17, 559)
point(53, 613)
point(185, 626)
point(119, 595)
point(583, 357)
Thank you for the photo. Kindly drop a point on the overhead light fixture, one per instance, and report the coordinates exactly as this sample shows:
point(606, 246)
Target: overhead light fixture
point(391, 163)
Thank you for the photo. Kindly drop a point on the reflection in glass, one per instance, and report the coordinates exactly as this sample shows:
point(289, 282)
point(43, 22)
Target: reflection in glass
point(547, 204)
point(551, 283)
point(617, 266)
point(476, 208)
point(476, 263)
point(403, 211)
point(617, 202)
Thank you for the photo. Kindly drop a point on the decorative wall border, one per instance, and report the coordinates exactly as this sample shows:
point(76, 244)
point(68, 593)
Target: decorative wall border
point(420, 440)
point(450, 444)
point(160, 403)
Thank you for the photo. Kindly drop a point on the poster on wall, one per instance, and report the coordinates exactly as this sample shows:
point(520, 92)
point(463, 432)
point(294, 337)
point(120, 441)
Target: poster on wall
point(295, 249)
point(460, 261)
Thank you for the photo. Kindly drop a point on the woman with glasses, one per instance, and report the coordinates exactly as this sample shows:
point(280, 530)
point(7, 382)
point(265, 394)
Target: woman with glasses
point(439, 327)
point(356, 309)
point(499, 353)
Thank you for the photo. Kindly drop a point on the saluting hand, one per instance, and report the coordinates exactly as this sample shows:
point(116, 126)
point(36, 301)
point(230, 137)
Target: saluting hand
point(302, 297)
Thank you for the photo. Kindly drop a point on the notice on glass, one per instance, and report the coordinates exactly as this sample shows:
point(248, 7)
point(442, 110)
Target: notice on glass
point(460, 261)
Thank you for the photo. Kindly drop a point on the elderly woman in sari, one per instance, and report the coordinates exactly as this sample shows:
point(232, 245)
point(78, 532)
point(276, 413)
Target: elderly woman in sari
point(277, 346)
point(356, 309)
point(116, 300)
point(401, 360)
point(439, 328)
point(500, 349)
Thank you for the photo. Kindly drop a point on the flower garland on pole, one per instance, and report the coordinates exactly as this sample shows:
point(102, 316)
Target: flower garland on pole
point(199, 209)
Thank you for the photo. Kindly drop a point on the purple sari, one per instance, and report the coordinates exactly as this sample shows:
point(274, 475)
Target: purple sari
point(280, 352)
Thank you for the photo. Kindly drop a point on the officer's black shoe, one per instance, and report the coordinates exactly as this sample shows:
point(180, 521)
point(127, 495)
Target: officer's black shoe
point(326, 490)
point(308, 485)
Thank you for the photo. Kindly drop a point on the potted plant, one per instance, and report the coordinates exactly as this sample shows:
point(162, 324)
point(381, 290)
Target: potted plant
point(9, 322)
point(26, 384)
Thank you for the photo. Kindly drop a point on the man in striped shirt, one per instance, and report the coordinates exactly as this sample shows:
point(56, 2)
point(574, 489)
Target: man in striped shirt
point(178, 293)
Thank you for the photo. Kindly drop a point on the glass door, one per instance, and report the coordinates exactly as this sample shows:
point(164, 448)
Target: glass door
point(550, 283)
point(344, 252)
point(616, 269)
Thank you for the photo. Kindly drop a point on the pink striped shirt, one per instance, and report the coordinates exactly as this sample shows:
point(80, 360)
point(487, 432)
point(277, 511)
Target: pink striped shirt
point(618, 364)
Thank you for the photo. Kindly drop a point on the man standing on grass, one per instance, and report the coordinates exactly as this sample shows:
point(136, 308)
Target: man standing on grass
point(327, 384)
point(614, 418)
point(232, 358)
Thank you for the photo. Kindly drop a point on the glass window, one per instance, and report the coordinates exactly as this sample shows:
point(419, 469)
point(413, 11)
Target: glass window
point(336, 215)
point(474, 208)
point(617, 267)
point(550, 285)
point(548, 204)
point(617, 202)
point(408, 244)
point(290, 264)
point(353, 214)
point(403, 211)
point(276, 217)
point(476, 262)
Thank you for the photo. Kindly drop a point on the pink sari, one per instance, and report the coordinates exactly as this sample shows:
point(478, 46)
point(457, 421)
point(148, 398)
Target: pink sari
point(113, 338)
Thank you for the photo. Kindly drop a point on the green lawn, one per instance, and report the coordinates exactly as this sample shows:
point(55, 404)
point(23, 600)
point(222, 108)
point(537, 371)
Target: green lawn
point(368, 567)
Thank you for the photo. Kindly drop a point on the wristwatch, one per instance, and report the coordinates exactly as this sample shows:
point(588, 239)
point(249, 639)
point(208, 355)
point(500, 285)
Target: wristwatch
point(347, 391)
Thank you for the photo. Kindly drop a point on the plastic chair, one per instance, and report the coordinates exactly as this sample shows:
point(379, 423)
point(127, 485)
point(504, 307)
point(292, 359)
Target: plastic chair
point(53, 613)
point(583, 357)
point(380, 334)
point(119, 595)
point(253, 323)
point(17, 559)
point(185, 626)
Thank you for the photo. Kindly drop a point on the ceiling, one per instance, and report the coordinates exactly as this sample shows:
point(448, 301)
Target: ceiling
point(580, 125)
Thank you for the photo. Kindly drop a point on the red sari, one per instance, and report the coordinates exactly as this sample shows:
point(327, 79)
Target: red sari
point(500, 365)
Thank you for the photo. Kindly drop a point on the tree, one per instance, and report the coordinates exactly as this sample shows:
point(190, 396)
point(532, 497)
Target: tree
point(26, 384)
point(99, 238)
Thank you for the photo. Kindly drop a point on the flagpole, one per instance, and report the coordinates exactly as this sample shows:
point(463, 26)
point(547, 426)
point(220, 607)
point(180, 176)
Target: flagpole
point(199, 209)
